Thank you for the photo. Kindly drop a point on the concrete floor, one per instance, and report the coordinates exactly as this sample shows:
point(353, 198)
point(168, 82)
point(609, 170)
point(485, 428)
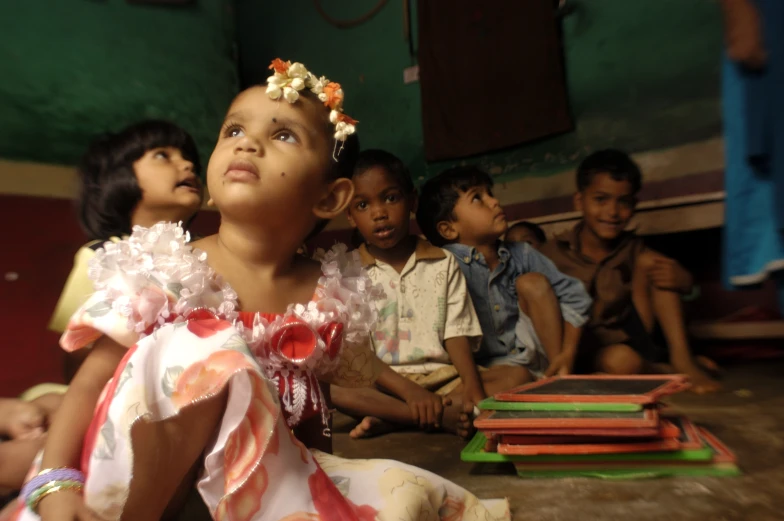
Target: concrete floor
point(748, 416)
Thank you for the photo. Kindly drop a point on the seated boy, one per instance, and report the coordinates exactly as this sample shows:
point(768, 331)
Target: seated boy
point(427, 328)
point(525, 231)
point(632, 286)
point(531, 314)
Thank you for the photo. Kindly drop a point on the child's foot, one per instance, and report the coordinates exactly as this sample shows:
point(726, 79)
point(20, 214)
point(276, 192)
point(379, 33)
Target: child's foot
point(460, 420)
point(370, 426)
point(708, 365)
point(701, 382)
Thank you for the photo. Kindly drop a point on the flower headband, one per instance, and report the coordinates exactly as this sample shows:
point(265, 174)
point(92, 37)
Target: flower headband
point(290, 78)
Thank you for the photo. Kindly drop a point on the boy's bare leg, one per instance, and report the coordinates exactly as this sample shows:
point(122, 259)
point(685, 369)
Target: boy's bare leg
point(664, 306)
point(16, 458)
point(620, 359)
point(380, 413)
point(537, 299)
point(501, 378)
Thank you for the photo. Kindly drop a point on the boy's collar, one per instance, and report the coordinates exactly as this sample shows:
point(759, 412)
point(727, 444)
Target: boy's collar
point(571, 238)
point(423, 251)
point(467, 254)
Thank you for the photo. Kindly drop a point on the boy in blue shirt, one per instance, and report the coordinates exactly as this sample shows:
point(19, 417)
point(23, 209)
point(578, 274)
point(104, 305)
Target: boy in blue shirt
point(531, 314)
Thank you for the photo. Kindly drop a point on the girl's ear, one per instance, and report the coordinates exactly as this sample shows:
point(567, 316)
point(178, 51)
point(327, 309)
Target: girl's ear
point(336, 199)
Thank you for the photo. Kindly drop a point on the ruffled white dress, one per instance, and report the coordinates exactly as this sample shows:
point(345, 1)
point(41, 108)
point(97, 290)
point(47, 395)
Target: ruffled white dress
point(187, 340)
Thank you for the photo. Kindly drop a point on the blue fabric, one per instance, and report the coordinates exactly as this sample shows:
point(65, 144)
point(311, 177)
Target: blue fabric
point(495, 297)
point(753, 109)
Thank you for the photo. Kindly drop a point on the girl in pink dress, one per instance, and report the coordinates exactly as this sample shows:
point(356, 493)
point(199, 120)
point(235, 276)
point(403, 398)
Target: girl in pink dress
point(204, 356)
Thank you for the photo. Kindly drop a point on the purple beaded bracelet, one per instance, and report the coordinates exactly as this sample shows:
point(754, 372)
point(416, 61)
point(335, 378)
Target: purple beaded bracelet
point(48, 475)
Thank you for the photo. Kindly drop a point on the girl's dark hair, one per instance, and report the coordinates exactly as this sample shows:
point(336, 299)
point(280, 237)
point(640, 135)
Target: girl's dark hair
point(439, 195)
point(373, 158)
point(109, 190)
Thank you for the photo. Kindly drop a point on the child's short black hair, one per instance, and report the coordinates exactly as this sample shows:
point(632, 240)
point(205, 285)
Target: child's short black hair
point(614, 162)
point(109, 189)
point(531, 227)
point(373, 158)
point(439, 195)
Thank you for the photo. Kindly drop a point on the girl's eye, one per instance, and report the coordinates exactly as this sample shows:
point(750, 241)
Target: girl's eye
point(476, 197)
point(234, 131)
point(286, 136)
point(361, 205)
point(161, 154)
point(392, 198)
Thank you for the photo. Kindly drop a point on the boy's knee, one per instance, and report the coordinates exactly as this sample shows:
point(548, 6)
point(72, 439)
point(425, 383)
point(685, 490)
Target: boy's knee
point(646, 260)
point(620, 359)
point(533, 285)
point(513, 375)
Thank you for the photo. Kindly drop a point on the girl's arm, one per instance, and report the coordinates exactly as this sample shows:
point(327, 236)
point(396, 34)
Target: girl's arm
point(66, 435)
point(462, 357)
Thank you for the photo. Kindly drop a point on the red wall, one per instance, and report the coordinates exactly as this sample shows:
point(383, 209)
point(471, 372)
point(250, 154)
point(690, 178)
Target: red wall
point(41, 237)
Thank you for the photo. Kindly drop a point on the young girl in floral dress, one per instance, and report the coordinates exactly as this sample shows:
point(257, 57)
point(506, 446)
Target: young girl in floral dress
point(145, 173)
point(204, 357)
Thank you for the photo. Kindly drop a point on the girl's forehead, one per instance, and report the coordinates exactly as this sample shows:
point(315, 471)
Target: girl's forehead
point(255, 103)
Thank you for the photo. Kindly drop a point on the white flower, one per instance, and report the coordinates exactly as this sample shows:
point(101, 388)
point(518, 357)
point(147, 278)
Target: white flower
point(297, 70)
point(277, 79)
point(322, 97)
point(317, 85)
point(274, 91)
point(290, 94)
point(350, 129)
point(341, 126)
point(333, 115)
point(297, 84)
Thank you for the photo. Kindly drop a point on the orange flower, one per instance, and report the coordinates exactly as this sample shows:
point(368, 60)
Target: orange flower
point(334, 94)
point(279, 65)
point(207, 377)
point(347, 119)
point(330, 503)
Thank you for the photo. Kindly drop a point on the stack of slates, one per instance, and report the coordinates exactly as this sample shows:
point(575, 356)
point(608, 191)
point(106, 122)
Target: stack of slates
point(596, 426)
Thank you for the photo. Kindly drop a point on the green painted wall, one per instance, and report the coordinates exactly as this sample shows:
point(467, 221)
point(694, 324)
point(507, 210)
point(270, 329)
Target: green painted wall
point(642, 74)
point(71, 69)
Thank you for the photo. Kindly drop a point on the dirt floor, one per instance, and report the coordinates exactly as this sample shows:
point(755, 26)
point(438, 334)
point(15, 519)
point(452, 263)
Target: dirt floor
point(748, 416)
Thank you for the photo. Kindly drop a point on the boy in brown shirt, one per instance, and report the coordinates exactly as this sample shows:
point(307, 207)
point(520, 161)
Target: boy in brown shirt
point(632, 286)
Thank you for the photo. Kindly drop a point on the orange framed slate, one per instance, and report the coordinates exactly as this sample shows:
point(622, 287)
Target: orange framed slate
point(667, 430)
point(642, 389)
point(563, 421)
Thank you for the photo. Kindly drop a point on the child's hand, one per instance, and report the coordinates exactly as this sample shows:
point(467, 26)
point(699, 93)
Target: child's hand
point(474, 396)
point(427, 408)
point(562, 364)
point(25, 421)
point(666, 274)
point(65, 505)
